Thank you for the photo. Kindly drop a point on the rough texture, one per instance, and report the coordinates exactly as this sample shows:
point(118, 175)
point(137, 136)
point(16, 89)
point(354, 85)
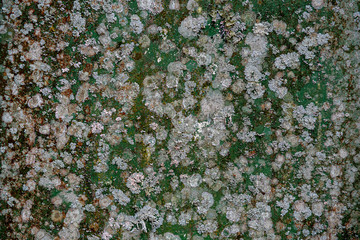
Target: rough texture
point(153, 119)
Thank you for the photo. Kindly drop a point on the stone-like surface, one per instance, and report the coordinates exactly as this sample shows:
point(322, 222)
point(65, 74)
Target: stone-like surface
point(153, 119)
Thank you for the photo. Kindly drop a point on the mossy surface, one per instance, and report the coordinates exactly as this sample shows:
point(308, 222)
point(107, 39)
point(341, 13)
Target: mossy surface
point(171, 119)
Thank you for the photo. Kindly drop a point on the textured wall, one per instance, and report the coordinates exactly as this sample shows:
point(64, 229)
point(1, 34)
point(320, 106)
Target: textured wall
point(179, 119)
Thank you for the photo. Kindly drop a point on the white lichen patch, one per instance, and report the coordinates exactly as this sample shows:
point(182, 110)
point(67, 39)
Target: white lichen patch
point(190, 26)
point(155, 119)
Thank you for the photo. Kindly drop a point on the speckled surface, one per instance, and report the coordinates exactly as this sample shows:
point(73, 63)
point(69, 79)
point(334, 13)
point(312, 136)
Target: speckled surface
point(172, 119)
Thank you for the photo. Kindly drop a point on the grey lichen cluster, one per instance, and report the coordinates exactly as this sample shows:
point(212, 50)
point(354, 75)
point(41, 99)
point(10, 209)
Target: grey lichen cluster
point(155, 119)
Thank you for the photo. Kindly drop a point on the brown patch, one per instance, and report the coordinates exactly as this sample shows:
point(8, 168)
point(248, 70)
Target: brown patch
point(137, 55)
point(124, 175)
point(87, 110)
point(251, 153)
point(121, 67)
point(83, 199)
point(94, 226)
point(67, 92)
point(64, 60)
point(88, 68)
